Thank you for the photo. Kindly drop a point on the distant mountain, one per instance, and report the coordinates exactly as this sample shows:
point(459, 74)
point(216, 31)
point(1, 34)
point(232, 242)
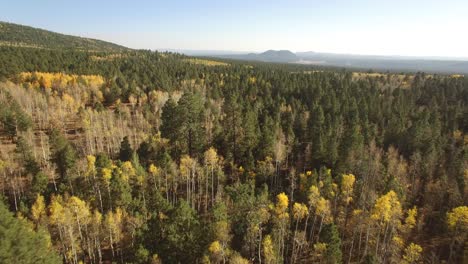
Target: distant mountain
point(284, 56)
point(363, 62)
point(385, 63)
point(278, 56)
point(25, 36)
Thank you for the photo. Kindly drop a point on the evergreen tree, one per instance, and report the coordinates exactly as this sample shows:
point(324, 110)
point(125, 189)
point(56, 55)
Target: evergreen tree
point(20, 244)
point(331, 237)
point(126, 151)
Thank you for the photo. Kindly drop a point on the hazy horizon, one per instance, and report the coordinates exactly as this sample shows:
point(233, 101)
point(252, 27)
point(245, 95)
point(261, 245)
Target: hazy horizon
point(400, 28)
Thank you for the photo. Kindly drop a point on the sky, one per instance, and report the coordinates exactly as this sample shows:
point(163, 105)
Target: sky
point(370, 27)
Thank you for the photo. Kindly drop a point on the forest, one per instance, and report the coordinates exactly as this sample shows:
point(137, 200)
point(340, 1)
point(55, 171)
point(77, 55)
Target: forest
point(136, 156)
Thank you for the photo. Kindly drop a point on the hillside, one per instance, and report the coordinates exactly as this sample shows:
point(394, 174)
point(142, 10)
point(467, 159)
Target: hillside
point(25, 36)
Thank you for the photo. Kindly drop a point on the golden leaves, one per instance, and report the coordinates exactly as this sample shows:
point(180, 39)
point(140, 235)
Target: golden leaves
point(387, 208)
point(211, 157)
point(282, 205)
point(410, 220)
point(215, 247)
point(51, 80)
point(412, 253)
point(300, 211)
point(347, 184)
point(38, 209)
point(458, 217)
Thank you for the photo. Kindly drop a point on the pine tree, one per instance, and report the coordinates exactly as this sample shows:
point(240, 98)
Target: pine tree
point(331, 237)
point(20, 244)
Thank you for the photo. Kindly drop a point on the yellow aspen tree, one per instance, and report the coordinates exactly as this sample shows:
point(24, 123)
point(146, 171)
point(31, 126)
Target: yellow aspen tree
point(90, 166)
point(410, 220)
point(128, 171)
point(323, 209)
point(96, 234)
point(346, 195)
point(211, 160)
point(187, 170)
point(91, 173)
point(412, 254)
point(236, 258)
point(300, 211)
point(457, 222)
point(114, 221)
point(347, 185)
point(38, 210)
point(269, 254)
point(61, 218)
point(319, 251)
point(154, 172)
point(217, 252)
point(281, 222)
point(387, 212)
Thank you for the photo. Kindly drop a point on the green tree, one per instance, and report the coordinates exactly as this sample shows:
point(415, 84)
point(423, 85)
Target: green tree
point(63, 154)
point(331, 237)
point(183, 242)
point(20, 244)
point(126, 151)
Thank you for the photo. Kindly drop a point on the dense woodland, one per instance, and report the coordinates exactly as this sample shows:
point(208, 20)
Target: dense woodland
point(147, 157)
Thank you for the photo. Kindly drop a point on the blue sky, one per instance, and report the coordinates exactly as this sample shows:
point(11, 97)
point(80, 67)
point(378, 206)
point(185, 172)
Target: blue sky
point(410, 27)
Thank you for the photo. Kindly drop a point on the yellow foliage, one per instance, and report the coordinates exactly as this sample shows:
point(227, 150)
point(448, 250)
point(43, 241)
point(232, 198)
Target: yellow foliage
point(323, 209)
point(347, 184)
point(410, 220)
point(127, 170)
point(59, 80)
point(79, 208)
point(153, 169)
point(215, 247)
point(97, 217)
point(38, 208)
point(211, 157)
point(268, 250)
point(357, 212)
point(300, 211)
point(282, 202)
point(187, 165)
point(90, 169)
point(238, 259)
point(106, 175)
point(398, 241)
point(412, 253)
point(56, 210)
point(314, 195)
point(458, 218)
point(320, 249)
point(387, 208)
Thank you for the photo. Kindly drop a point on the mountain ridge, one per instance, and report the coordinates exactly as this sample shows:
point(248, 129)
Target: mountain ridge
point(12, 34)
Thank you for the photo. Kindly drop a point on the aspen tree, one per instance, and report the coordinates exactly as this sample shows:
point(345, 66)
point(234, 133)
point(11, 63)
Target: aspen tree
point(211, 159)
point(300, 211)
point(387, 213)
point(269, 254)
point(457, 222)
point(38, 210)
point(282, 222)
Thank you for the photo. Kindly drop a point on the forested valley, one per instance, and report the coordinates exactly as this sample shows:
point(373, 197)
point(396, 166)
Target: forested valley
point(137, 156)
